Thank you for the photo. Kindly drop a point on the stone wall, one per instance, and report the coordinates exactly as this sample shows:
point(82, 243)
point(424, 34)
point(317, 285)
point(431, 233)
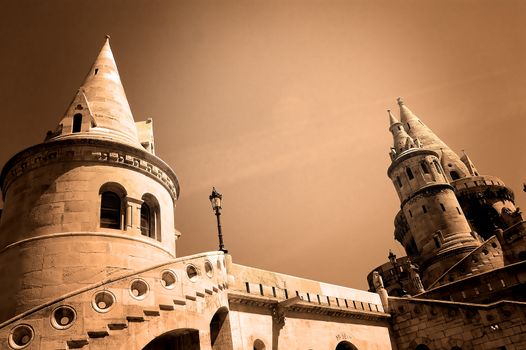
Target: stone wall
point(452, 325)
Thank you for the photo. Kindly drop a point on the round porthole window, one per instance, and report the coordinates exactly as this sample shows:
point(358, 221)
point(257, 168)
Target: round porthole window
point(63, 317)
point(168, 279)
point(139, 289)
point(103, 301)
point(21, 336)
point(192, 273)
point(209, 269)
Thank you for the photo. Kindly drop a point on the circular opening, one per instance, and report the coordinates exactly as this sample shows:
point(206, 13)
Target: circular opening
point(21, 336)
point(103, 301)
point(192, 273)
point(63, 317)
point(209, 269)
point(494, 245)
point(485, 251)
point(139, 289)
point(168, 279)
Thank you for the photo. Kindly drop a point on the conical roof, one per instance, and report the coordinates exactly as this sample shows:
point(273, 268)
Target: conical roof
point(102, 103)
point(419, 131)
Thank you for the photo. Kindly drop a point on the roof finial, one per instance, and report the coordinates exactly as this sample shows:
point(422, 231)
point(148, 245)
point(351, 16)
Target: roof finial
point(107, 37)
point(392, 119)
point(400, 101)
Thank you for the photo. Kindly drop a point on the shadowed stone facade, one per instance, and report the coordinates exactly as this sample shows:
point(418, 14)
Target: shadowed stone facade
point(462, 284)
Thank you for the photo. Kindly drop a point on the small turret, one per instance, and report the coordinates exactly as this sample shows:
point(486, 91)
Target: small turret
point(401, 140)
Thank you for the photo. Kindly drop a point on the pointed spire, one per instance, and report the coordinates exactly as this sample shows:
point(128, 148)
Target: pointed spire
point(103, 94)
point(469, 164)
point(392, 119)
point(418, 130)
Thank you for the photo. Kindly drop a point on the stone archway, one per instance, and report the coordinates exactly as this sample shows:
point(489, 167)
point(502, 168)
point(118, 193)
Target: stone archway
point(220, 332)
point(177, 339)
point(345, 345)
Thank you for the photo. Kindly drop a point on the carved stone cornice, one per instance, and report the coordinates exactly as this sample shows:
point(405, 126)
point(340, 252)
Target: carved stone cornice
point(271, 304)
point(93, 151)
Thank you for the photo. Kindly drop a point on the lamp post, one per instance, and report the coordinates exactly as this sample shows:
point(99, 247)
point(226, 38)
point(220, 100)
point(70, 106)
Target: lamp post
point(215, 199)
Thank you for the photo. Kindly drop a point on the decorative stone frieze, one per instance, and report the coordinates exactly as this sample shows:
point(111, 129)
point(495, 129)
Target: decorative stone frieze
point(89, 151)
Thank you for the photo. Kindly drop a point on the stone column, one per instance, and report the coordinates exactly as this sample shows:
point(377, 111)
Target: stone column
point(133, 215)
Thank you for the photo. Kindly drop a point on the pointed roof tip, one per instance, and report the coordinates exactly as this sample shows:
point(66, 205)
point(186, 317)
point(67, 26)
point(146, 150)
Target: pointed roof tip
point(392, 118)
point(107, 37)
point(400, 101)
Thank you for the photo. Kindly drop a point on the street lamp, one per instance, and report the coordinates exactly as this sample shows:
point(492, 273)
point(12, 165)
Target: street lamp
point(215, 199)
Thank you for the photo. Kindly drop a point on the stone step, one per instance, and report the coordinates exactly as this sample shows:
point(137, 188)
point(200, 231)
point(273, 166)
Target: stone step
point(101, 333)
point(135, 318)
point(77, 343)
point(117, 326)
point(166, 307)
point(152, 312)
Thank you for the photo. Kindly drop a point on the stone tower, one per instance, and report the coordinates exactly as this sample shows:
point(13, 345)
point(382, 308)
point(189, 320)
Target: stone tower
point(431, 224)
point(90, 201)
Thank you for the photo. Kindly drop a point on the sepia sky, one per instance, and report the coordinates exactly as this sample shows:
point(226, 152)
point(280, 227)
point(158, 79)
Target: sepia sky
point(282, 106)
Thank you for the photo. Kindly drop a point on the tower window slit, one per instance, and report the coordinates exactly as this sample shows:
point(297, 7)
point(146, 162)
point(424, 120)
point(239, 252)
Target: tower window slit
point(458, 211)
point(442, 206)
point(409, 173)
point(410, 213)
point(399, 182)
point(437, 241)
point(424, 209)
point(96, 71)
point(77, 123)
point(425, 168)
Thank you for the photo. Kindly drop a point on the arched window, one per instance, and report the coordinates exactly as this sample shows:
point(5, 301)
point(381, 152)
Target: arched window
point(147, 224)
point(110, 210)
point(150, 217)
point(409, 173)
point(77, 123)
point(422, 347)
point(259, 345)
point(345, 345)
point(454, 175)
point(112, 205)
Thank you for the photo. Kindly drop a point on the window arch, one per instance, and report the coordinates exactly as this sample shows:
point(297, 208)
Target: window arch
point(259, 345)
point(150, 217)
point(345, 345)
point(112, 206)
